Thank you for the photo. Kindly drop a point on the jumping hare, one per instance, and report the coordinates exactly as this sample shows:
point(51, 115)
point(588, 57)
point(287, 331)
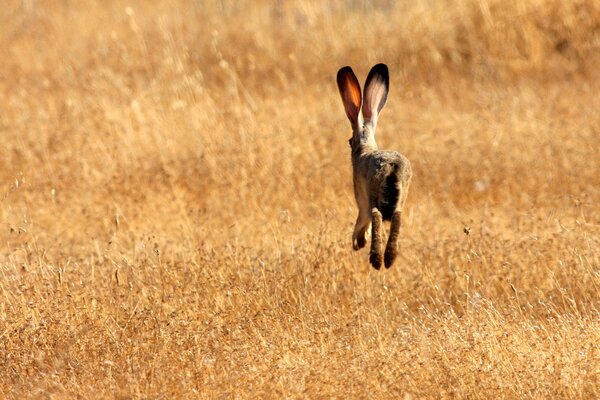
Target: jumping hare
point(381, 177)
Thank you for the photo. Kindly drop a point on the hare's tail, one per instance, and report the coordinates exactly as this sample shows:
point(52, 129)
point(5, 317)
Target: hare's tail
point(389, 194)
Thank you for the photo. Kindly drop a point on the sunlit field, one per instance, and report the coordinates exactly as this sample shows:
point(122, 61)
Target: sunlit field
point(176, 202)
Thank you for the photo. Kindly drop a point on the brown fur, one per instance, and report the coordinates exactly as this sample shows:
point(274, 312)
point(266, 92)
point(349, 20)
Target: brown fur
point(375, 256)
point(391, 249)
point(374, 170)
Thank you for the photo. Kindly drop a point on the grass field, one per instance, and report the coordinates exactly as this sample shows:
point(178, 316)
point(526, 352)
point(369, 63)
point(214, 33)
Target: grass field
point(176, 204)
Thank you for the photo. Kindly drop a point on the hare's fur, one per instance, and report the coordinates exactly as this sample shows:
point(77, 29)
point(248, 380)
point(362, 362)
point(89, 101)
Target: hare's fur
point(381, 177)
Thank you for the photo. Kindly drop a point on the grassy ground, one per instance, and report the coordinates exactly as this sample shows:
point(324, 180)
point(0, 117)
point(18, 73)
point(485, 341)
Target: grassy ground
point(176, 205)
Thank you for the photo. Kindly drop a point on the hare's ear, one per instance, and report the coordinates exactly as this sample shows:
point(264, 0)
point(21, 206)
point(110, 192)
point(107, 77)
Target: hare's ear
point(376, 92)
point(350, 92)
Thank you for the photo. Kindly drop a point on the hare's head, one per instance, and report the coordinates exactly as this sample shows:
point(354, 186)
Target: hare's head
point(375, 95)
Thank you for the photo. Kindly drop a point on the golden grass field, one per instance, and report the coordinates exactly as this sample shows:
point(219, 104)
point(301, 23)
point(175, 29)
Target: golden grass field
point(176, 203)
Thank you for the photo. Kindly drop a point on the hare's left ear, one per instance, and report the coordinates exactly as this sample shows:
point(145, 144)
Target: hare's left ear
point(376, 92)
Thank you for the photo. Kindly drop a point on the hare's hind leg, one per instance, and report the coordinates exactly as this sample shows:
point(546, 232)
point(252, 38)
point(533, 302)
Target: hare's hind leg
point(391, 249)
point(375, 257)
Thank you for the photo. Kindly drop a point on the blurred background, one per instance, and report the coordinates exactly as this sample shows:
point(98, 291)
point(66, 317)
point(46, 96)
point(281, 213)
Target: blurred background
point(228, 111)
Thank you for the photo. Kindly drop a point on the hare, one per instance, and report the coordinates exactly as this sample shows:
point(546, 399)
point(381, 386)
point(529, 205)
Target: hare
point(381, 177)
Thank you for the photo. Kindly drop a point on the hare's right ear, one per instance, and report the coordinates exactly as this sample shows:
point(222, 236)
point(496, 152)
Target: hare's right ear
point(376, 91)
point(350, 92)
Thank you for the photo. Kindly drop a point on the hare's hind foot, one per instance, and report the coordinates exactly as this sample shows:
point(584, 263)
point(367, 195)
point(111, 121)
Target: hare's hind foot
point(375, 259)
point(359, 242)
point(375, 256)
point(391, 249)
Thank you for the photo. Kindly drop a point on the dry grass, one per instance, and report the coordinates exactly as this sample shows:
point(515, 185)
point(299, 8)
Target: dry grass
point(176, 205)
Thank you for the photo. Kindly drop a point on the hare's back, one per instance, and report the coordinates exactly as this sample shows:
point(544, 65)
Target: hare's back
point(386, 162)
